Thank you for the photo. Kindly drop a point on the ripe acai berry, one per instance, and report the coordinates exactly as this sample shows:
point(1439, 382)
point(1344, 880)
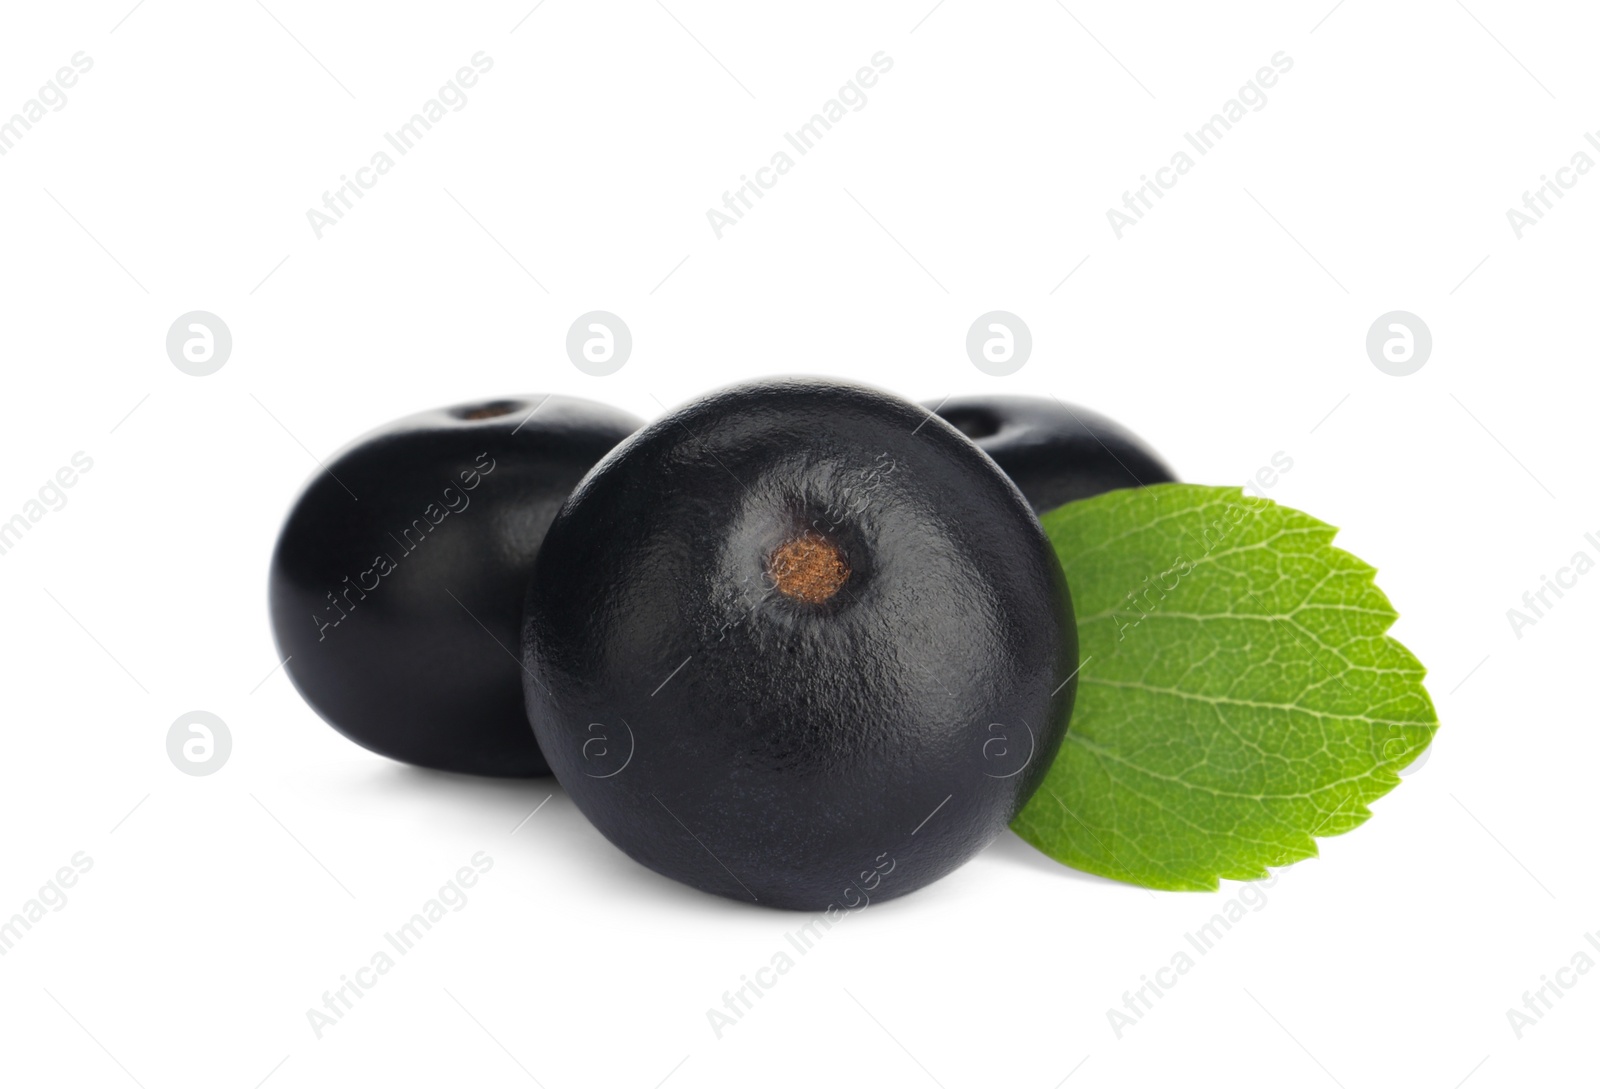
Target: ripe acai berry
point(397, 581)
point(1055, 452)
point(799, 644)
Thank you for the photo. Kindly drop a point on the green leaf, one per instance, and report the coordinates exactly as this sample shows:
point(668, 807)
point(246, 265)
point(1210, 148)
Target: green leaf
point(1237, 694)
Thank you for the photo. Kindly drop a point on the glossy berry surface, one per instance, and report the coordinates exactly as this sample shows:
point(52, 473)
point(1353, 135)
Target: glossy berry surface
point(1054, 452)
point(397, 580)
point(798, 644)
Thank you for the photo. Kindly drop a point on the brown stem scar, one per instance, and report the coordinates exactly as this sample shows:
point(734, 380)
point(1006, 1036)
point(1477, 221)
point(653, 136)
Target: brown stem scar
point(809, 568)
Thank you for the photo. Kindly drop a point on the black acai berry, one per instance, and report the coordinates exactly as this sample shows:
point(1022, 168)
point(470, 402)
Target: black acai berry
point(397, 581)
point(1055, 452)
point(797, 643)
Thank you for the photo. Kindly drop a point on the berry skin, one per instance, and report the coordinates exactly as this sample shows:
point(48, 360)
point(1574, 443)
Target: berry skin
point(396, 584)
point(1054, 452)
point(798, 644)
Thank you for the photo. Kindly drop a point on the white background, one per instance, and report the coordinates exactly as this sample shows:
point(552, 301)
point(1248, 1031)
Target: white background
point(1227, 326)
